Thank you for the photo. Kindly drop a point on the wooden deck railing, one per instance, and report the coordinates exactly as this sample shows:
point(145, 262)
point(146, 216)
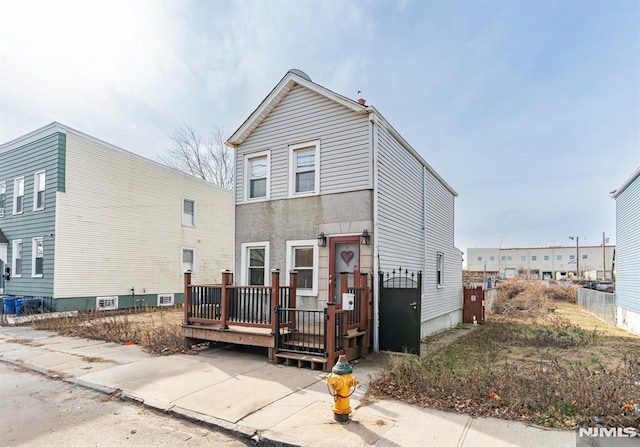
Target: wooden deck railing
point(225, 303)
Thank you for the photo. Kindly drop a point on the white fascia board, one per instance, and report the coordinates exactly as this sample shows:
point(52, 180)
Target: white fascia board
point(626, 183)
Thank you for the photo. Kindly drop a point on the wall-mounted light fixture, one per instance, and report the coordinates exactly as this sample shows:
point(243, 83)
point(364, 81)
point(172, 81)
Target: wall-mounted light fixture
point(322, 240)
point(365, 237)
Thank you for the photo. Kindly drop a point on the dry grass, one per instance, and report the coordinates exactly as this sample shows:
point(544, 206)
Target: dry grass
point(157, 330)
point(539, 360)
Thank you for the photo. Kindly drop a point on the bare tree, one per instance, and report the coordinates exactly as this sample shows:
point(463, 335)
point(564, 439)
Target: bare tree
point(207, 158)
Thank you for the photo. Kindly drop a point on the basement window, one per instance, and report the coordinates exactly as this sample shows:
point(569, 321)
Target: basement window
point(106, 302)
point(166, 299)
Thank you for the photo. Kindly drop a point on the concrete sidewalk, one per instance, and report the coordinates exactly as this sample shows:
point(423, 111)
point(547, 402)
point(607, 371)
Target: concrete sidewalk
point(240, 391)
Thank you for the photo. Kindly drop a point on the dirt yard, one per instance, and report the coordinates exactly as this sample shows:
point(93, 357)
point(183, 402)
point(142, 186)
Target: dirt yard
point(538, 359)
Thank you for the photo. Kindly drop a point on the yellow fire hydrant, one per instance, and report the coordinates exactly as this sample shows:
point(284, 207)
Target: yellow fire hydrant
point(341, 385)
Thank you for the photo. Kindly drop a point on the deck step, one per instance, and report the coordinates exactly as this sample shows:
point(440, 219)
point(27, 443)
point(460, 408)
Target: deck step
point(301, 360)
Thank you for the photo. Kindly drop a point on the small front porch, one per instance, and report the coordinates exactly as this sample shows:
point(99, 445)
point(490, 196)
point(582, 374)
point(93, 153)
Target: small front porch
point(267, 316)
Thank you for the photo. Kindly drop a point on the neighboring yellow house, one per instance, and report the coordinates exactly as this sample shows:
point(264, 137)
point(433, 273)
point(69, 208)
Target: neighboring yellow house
point(90, 225)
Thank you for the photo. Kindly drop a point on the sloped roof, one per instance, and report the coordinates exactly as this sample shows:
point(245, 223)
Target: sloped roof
point(626, 183)
point(296, 77)
point(3, 238)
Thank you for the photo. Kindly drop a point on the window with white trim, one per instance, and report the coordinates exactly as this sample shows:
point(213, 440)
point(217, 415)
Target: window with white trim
point(18, 195)
point(166, 299)
point(189, 212)
point(3, 198)
point(107, 302)
point(188, 260)
point(16, 250)
point(255, 264)
point(302, 256)
point(440, 269)
point(303, 168)
point(37, 257)
point(257, 173)
point(38, 190)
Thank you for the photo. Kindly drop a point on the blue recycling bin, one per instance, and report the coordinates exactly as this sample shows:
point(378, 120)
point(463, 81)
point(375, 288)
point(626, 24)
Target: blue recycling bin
point(9, 304)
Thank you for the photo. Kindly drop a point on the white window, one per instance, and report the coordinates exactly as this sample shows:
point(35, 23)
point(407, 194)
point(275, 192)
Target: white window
point(38, 190)
point(303, 168)
point(302, 256)
point(189, 212)
point(523, 258)
point(188, 260)
point(37, 257)
point(106, 302)
point(257, 173)
point(166, 299)
point(534, 258)
point(3, 198)
point(255, 264)
point(585, 256)
point(16, 268)
point(18, 195)
point(440, 269)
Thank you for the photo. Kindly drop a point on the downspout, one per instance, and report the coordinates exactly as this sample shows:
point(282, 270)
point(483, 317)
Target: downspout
point(233, 210)
point(376, 239)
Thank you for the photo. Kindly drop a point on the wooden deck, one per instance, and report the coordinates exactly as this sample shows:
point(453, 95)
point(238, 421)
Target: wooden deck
point(267, 317)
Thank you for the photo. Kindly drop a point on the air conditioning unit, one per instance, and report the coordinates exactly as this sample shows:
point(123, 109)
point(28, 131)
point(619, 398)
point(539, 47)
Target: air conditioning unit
point(106, 302)
point(166, 299)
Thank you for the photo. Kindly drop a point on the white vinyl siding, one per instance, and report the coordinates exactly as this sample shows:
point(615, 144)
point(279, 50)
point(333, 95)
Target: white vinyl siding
point(127, 217)
point(628, 247)
point(38, 190)
point(18, 195)
point(400, 230)
point(344, 158)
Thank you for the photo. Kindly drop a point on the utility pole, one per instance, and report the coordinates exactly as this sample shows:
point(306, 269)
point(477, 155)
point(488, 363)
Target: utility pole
point(577, 238)
point(604, 258)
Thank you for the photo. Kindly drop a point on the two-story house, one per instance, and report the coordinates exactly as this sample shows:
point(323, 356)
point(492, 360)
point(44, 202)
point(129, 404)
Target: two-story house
point(88, 225)
point(324, 185)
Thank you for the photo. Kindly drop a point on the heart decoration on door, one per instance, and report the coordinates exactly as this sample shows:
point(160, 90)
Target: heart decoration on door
point(347, 256)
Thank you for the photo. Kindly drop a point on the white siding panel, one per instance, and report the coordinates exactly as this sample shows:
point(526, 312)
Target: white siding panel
point(628, 247)
point(345, 161)
point(400, 226)
point(119, 225)
point(440, 205)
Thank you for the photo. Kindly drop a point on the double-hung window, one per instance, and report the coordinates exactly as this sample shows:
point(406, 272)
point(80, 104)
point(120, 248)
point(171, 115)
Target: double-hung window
point(302, 256)
point(303, 168)
point(257, 169)
point(255, 264)
point(18, 195)
point(37, 257)
point(17, 258)
point(38, 190)
point(188, 212)
point(3, 198)
point(440, 269)
point(188, 260)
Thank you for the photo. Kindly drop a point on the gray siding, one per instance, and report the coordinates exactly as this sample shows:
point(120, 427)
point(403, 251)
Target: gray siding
point(303, 115)
point(440, 205)
point(400, 226)
point(25, 161)
point(628, 247)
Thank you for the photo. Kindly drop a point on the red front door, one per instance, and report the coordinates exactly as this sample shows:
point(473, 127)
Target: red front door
point(344, 257)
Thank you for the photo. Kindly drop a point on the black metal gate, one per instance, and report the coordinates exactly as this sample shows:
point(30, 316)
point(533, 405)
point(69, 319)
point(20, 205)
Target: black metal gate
point(400, 297)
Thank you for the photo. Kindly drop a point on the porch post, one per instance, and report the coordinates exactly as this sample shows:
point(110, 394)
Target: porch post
point(331, 334)
point(227, 279)
point(293, 283)
point(187, 296)
point(364, 301)
point(275, 299)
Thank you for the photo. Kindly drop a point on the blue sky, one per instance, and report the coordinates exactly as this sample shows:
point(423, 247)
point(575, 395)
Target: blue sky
point(529, 109)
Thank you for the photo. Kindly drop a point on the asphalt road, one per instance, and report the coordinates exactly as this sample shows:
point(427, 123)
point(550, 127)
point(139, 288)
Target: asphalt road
point(40, 411)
